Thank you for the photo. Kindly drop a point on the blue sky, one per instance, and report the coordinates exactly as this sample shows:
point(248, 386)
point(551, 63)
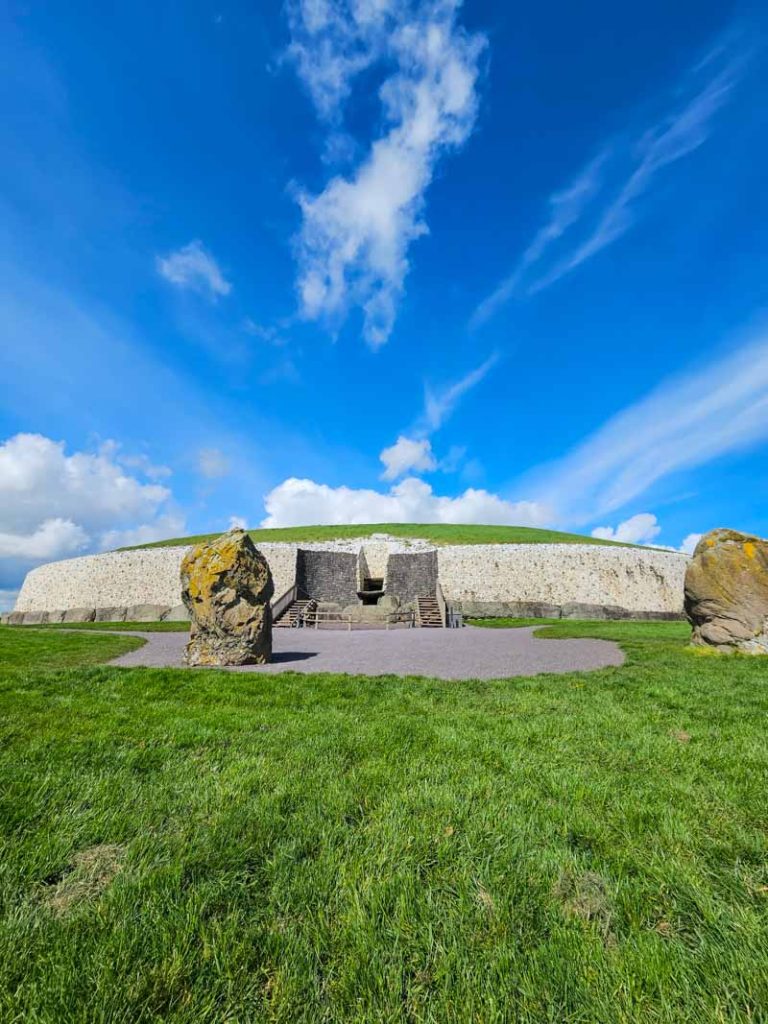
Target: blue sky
point(369, 260)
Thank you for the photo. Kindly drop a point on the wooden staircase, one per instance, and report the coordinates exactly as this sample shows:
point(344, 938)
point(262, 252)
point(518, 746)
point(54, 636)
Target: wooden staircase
point(294, 614)
point(428, 615)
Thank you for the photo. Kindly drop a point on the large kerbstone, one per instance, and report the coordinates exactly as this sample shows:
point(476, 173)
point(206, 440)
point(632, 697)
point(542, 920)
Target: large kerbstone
point(79, 615)
point(227, 586)
point(178, 613)
point(110, 614)
point(726, 592)
point(146, 612)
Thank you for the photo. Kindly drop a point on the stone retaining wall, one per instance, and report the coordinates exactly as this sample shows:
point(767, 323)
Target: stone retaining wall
point(481, 579)
point(328, 575)
point(412, 576)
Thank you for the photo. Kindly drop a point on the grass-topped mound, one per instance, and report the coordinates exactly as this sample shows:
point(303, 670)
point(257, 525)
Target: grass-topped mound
point(435, 533)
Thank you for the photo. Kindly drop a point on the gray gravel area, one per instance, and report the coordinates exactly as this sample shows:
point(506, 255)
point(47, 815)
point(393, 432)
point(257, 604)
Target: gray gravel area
point(469, 653)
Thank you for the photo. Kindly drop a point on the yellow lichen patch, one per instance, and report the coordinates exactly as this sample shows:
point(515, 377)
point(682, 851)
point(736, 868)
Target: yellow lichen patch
point(749, 549)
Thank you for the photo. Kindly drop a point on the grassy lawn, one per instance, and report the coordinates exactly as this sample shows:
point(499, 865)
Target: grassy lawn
point(141, 627)
point(30, 649)
point(212, 847)
point(440, 533)
point(620, 630)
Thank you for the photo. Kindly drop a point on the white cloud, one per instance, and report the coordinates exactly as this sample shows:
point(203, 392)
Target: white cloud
point(144, 465)
point(677, 134)
point(686, 422)
point(643, 528)
point(237, 523)
point(163, 528)
point(300, 502)
point(353, 245)
point(192, 266)
point(8, 600)
point(638, 529)
point(407, 455)
point(414, 453)
point(690, 542)
point(54, 505)
point(270, 334)
point(53, 538)
point(39, 481)
point(212, 463)
point(112, 449)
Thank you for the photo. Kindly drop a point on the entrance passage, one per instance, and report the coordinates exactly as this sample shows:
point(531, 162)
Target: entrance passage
point(373, 589)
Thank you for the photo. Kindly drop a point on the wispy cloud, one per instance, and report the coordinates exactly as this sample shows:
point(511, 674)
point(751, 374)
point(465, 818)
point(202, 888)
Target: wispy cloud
point(602, 206)
point(412, 452)
point(353, 245)
point(688, 421)
point(213, 464)
point(439, 405)
point(192, 266)
point(565, 209)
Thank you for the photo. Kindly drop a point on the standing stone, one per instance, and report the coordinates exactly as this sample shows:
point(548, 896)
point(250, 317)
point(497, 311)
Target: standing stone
point(226, 586)
point(726, 592)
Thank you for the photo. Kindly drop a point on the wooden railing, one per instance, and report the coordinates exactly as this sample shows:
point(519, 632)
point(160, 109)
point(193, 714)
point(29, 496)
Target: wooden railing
point(441, 604)
point(315, 618)
point(407, 615)
point(284, 601)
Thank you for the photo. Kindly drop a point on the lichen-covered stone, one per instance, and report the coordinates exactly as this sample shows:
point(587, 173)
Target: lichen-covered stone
point(726, 592)
point(226, 587)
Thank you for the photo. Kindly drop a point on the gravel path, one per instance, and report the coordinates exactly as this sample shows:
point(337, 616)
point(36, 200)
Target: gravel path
point(470, 653)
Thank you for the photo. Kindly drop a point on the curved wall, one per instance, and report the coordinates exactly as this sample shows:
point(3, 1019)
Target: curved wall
point(490, 579)
point(481, 576)
point(147, 576)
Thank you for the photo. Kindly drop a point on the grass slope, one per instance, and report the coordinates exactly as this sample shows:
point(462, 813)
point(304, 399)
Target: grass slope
point(440, 533)
point(206, 847)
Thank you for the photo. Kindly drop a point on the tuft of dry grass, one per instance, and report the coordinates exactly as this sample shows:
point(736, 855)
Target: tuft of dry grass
point(85, 879)
point(584, 895)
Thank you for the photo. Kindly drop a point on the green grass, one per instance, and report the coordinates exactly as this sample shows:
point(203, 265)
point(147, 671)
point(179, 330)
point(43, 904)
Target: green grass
point(620, 630)
point(203, 847)
point(510, 623)
point(141, 627)
point(441, 533)
point(31, 649)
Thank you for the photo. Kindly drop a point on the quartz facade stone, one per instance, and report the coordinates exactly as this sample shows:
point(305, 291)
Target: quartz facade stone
point(478, 579)
point(633, 579)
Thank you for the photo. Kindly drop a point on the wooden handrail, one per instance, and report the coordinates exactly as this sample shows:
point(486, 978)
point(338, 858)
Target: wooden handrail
point(441, 604)
point(284, 601)
point(315, 617)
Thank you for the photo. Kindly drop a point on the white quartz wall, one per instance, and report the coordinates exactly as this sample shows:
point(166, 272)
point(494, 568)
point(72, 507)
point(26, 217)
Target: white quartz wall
point(115, 579)
point(125, 578)
point(637, 579)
